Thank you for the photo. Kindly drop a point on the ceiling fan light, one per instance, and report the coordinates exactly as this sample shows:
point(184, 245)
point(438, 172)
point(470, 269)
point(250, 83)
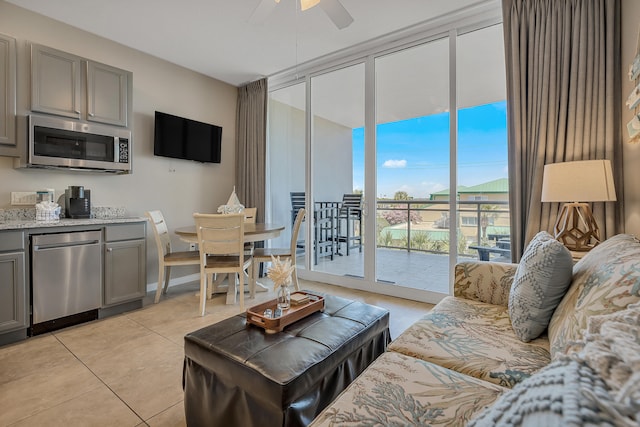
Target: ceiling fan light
point(308, 4)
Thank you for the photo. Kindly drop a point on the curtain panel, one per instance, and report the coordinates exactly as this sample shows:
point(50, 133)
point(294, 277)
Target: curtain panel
point(251, 142)
point(563, 103)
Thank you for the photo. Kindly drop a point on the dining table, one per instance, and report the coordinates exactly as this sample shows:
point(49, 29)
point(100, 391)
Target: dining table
point(253, 232)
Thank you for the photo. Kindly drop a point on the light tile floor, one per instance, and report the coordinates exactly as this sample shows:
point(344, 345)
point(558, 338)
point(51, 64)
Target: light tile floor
point(126, 370)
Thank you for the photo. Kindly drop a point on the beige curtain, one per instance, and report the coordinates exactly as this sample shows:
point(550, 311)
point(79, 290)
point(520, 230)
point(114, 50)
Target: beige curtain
point(563, 103)
point(251, 137)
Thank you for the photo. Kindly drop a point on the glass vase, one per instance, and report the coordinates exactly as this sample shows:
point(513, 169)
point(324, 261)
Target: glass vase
point(284, 297)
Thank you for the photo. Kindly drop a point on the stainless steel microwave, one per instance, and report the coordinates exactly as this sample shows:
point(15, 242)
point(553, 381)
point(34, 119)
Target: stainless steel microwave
point(61, 143)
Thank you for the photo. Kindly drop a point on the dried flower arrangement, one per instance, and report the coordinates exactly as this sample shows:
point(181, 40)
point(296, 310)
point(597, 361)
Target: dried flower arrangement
point(280, 272)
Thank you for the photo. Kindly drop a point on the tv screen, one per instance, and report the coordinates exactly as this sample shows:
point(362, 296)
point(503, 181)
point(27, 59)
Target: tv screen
point(182, 138)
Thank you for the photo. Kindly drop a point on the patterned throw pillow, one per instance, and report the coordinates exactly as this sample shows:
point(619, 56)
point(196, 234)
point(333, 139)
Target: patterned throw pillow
point(605, 280)
point(599, 384)
point(565, 393)
point(542, 278)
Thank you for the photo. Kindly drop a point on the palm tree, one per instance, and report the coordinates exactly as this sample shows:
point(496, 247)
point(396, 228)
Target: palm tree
point(485, 216)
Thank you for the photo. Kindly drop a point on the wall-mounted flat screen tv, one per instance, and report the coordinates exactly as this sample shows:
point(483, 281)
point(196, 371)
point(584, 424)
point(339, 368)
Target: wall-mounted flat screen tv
point(182, 138)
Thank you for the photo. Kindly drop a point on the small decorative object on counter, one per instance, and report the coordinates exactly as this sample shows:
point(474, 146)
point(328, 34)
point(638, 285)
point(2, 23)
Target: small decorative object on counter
point(47, 211)
point(233, 205)
point(280, 273)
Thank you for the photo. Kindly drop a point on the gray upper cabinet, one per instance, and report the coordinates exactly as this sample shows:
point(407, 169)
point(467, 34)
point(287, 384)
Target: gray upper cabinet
point(8, 96)
point(107, 94)
point(55, 82)
point(71, 86)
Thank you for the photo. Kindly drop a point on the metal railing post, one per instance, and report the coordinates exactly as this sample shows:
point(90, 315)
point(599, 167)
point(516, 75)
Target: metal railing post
point(408, 226)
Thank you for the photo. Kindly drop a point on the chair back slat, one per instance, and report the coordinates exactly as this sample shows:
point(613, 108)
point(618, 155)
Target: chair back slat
point(297, 200)
point(352, 200)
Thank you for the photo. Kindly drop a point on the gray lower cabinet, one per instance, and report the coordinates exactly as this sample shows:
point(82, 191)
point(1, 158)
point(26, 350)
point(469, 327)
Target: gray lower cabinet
point(125, 259)
point(13, 288)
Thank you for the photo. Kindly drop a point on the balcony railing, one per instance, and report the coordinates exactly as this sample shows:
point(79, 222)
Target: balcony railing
point(423, 225)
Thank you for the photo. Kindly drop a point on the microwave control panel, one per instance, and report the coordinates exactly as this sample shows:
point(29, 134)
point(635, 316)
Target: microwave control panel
point(123, 150)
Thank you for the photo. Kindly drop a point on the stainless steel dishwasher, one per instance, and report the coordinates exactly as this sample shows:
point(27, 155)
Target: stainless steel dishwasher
point(66, 274)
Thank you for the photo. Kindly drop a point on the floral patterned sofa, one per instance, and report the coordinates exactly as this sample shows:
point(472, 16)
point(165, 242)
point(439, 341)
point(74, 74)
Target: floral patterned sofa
point(452, 366)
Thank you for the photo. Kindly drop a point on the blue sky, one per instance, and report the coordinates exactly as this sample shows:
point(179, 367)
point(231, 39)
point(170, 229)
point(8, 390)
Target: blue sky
point(413, 155)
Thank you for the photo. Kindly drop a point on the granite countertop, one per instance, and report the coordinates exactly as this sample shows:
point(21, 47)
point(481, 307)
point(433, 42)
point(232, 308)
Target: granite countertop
point(17, 224)
point(24, 218)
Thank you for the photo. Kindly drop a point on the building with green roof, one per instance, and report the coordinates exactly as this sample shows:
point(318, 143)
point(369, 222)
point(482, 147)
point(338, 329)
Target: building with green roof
point(496, 190)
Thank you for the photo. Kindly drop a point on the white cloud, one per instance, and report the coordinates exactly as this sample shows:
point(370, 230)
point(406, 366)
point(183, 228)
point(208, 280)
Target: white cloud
point(395, 164)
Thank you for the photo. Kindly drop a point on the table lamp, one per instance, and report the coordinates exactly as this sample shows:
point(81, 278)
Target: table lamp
point(578, 182)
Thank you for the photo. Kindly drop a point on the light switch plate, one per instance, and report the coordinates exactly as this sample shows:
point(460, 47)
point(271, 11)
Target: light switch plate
point(21, 198)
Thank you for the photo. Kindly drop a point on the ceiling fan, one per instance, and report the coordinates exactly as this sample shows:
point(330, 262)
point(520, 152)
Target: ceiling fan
point(333, 8)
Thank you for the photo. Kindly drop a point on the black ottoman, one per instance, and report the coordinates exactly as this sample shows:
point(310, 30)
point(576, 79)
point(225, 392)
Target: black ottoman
point(237, 375)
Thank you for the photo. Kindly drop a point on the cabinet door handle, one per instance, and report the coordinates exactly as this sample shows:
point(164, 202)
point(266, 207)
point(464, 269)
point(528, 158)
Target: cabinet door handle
point(92, 114)
point(109, 249)
point(76, 111)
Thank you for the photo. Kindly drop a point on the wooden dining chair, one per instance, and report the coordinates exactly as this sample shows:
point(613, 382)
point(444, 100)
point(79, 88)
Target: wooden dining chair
point(221, 243)
point(166, 257)
point(249, 218)
point(261, 255)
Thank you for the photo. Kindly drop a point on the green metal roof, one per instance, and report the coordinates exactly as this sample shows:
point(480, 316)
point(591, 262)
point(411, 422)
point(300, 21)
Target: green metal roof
point(496, 186)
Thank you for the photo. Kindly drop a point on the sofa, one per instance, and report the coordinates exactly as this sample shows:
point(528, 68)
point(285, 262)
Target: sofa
point(474, 359)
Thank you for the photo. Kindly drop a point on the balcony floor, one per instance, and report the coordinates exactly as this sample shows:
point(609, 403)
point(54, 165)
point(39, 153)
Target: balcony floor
point(417, 270)
point(397, 267)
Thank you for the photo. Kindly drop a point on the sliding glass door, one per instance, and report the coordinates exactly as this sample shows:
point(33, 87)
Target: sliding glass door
point(483, 194)
point(286, 162)
point(337, 178)
point(413, 167)
point(399, 156)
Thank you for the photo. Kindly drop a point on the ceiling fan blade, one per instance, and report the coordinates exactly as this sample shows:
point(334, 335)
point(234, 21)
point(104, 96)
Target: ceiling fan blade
point(337, 13)
point(262, 10)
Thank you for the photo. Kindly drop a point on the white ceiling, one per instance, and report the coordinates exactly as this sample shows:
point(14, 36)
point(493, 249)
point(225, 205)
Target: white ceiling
point(215, 38)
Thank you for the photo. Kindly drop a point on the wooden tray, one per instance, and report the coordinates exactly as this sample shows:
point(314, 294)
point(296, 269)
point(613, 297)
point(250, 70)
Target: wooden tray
point(293, 314)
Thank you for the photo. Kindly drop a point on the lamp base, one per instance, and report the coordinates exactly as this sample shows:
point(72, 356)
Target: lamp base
point(576, 227)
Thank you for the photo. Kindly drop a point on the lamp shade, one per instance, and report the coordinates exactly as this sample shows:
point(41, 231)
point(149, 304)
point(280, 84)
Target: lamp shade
point(308, 4)
point(580, 181)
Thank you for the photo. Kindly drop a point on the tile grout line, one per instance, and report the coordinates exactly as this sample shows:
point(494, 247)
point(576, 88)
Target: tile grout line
point(101, 380)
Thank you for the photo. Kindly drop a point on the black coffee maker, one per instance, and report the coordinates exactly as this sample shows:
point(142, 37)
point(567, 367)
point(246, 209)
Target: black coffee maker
point(77, 202)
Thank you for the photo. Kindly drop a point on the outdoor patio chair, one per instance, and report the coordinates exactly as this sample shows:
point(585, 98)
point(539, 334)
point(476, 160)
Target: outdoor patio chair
point(350, 221)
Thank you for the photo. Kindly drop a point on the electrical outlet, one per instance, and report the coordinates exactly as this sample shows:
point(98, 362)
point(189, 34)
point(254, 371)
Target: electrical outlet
point(23, 198)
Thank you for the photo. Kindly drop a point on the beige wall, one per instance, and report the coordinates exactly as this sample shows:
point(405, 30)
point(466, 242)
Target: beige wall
point(631, 152)
point(177, 187)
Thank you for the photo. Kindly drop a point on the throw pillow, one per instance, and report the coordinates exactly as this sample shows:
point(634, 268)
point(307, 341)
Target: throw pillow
point(598, 384)
point(605, 280)
point(565, 393)
point(542, 278)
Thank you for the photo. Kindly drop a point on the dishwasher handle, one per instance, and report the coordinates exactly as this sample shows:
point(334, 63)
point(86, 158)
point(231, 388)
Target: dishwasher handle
point(64, 245)
point(61, 240)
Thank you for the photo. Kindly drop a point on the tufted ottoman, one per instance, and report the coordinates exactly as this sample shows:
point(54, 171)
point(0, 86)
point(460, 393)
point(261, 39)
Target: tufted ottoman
point(237, 375)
